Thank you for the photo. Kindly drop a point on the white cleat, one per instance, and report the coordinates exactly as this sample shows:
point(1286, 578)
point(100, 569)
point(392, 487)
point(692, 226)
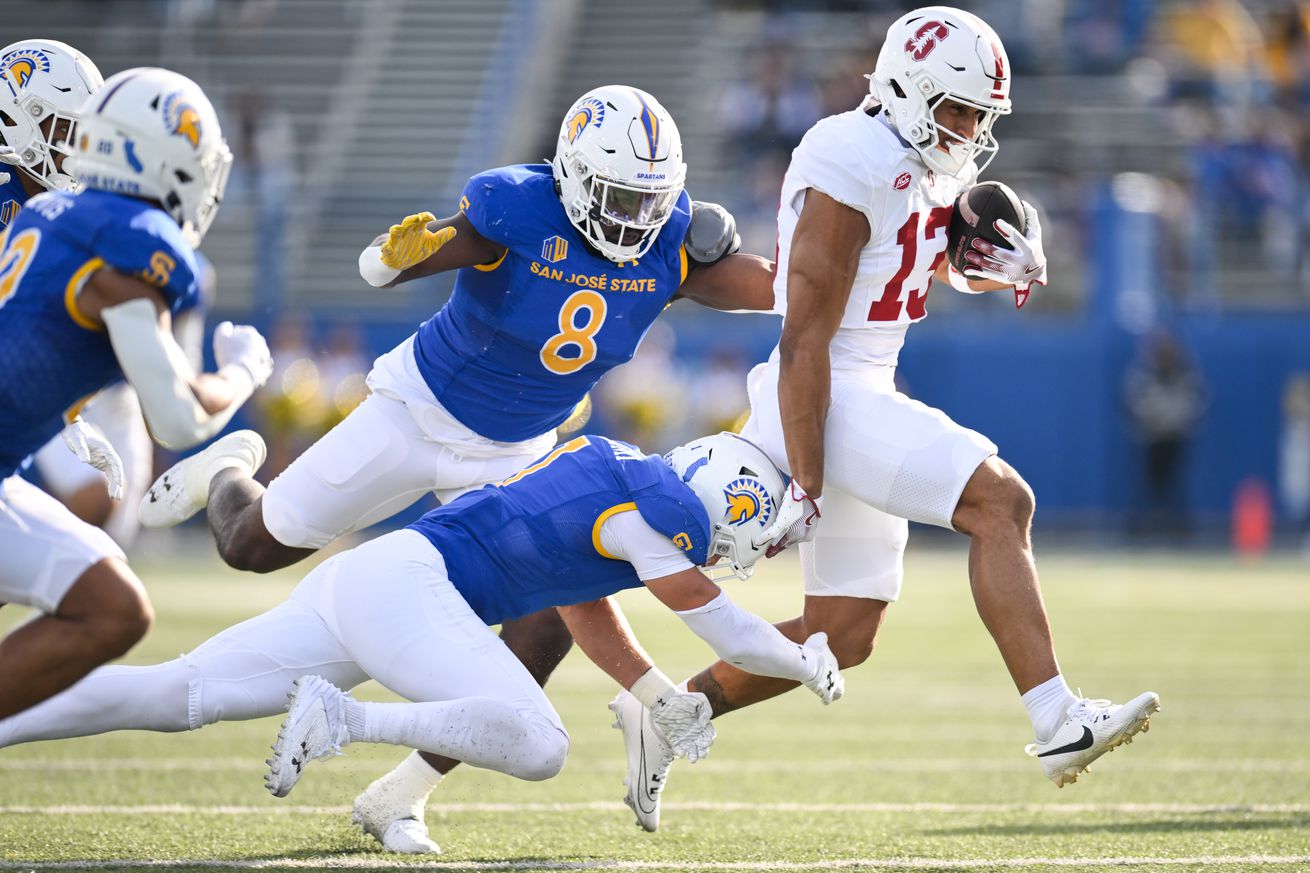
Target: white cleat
point(394, 822)
point(649, 759)
point(1093, 728)
point(184, 489)
point(315, 727)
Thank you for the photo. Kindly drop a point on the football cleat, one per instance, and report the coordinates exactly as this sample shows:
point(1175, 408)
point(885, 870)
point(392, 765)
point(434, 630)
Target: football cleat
point(649, 759)
point(184, 490)
point(1093, 728)
point(394, 821)
point(315, 727)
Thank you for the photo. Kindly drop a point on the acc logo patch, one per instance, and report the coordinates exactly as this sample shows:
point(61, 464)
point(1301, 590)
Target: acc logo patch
point(902, 182)
point(747, 499)
point(182, 119)
point(17, 67)
point(925, 39)
point(554, 249)
point(590, 111)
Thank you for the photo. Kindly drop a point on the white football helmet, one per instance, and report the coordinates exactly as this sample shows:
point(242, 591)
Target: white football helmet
point(618, 169)
point(934, 54)
point(740, 489)
point(42, 85)
point(153, 133)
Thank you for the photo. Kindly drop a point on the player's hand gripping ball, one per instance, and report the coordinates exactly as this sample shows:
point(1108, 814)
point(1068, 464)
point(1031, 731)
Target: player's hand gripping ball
point(997, 237)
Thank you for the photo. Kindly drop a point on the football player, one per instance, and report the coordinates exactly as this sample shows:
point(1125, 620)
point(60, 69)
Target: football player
point(562, 268)
point(411, 609)
point(88, 284)
point(43, 83)
point(862, 232)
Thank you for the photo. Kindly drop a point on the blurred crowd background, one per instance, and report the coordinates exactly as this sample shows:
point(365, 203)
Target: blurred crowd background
point(1157, 390)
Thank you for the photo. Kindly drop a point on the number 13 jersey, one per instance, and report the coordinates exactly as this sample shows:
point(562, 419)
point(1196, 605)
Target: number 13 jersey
point(858, 160)
point(522, 340)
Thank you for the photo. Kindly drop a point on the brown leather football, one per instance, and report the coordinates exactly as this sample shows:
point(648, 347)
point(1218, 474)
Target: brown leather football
point(976, 212)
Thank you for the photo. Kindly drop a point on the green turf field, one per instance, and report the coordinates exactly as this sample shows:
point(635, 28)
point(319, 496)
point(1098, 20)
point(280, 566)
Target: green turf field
point(920, 767)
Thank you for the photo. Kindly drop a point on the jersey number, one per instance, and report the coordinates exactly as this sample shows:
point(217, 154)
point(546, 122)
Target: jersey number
point(15, 258)
point(888, 307)
point(582, 336)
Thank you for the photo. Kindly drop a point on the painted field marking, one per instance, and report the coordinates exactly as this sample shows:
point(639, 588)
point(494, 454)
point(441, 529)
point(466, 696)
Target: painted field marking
point(686, 806)
point(903, 765)
point(380, 863)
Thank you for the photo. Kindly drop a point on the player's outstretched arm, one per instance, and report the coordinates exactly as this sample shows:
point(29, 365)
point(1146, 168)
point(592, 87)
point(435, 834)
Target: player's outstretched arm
point(422, 245)
point(181, 407)
point(602, 632)
point(719, 276)
point(745, 640)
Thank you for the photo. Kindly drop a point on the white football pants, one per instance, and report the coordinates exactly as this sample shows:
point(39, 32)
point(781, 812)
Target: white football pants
point(385, 610)
point(395, 447)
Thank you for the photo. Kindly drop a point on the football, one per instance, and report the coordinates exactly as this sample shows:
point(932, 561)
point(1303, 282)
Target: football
point(976, 212)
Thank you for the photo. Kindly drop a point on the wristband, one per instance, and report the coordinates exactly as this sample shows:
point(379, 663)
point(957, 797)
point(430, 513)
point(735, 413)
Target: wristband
point(372, 270)
point(650, 687)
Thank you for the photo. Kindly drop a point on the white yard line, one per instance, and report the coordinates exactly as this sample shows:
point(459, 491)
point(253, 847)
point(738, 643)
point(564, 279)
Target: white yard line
point(686, 806)
point(903, 765)
point(384, 863)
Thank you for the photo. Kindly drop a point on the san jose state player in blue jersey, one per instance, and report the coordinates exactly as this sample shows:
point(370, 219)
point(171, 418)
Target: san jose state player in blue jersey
point(88, 284)
point(411, 609)
point(562, 269)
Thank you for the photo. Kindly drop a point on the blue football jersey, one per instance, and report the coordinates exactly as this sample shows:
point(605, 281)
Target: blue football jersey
point(533, 541)
point(522, 340)
point(52, 358)
point(12, 195)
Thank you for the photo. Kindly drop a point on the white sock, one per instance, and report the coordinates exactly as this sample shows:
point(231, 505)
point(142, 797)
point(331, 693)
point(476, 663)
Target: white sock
point(1048, 706)
point(405, 790)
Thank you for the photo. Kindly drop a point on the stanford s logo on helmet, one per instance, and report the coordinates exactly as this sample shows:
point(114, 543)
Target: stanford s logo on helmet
point(925, 39)
point(936, 54)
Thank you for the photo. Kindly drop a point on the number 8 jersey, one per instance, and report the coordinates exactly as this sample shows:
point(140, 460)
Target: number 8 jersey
point(860, 161)
point(522, 340)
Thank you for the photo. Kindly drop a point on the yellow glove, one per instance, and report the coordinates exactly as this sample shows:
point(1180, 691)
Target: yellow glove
point(410, 242)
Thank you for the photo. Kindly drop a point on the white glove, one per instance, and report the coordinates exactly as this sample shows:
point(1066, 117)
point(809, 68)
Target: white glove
point(683, 719)
point(242, 344)
point(1022, 265)
point(798, 516)
point(827, 682)
point(91, 447)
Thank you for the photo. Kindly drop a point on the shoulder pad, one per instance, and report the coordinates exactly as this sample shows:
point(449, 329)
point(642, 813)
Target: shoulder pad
point(711, 234)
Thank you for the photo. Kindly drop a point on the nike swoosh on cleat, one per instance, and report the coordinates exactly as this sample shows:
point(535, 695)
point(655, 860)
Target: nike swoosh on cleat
point(1078, 745)
point(643, 796)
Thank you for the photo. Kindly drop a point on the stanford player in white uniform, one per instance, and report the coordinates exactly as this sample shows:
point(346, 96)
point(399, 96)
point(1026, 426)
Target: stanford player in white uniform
point(862, 229)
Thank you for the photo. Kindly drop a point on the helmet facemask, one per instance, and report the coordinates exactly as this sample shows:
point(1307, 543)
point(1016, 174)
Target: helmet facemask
point(981, 149)
point(193, 203)
point(623, 220)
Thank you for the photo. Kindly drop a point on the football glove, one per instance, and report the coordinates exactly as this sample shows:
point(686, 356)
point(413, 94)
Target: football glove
point(1022, 265)
point(827, 682)
point(683, 719)
point(796, 521)
point(244, 345)
point(91, 447)
point(410, 242)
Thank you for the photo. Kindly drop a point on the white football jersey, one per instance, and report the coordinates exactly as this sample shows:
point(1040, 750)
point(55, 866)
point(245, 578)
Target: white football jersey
point(858, 160)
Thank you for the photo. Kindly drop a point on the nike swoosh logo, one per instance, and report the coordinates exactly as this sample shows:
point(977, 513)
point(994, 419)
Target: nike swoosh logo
point(1078, 745)
point(644, 800)
point(1032, 269)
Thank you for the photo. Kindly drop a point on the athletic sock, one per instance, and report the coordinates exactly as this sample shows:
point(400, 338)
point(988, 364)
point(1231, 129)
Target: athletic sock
point(1048, 706)
point(405, 790)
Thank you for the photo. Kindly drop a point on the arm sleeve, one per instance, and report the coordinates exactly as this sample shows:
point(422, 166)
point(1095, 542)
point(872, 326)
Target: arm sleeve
point(747, 641)
point(628, 537)
point(155, 365)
